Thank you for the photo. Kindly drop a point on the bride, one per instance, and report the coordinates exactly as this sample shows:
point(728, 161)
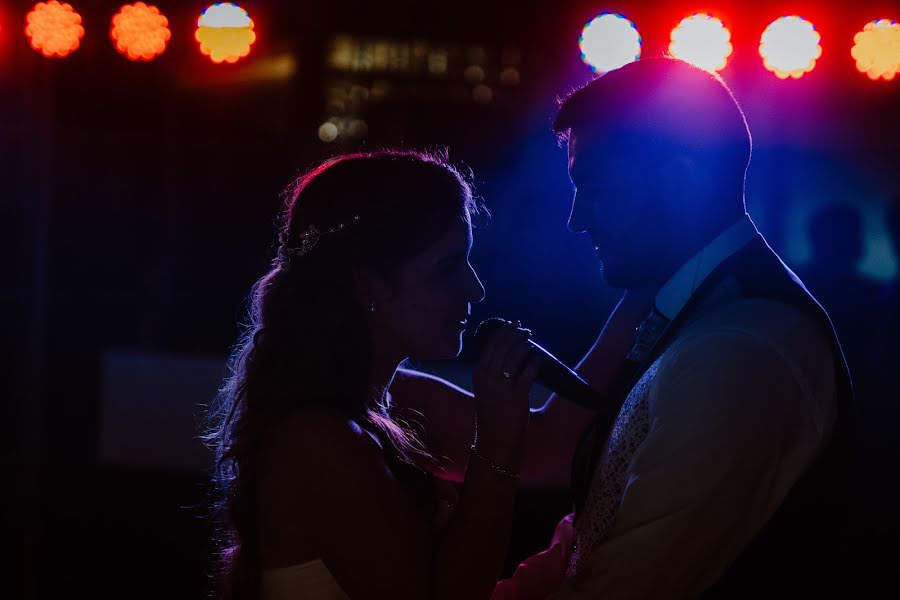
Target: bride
point(324, 490)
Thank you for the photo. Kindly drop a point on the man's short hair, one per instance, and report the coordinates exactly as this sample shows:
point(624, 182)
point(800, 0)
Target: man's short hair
point(662, 101)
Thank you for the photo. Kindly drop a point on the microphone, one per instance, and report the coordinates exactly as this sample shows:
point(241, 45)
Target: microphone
point(551, 373)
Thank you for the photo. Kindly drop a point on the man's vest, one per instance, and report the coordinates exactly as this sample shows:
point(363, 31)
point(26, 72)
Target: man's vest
point(798, 549)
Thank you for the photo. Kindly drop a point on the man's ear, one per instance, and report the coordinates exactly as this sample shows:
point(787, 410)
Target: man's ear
point(678, 177)
point(369, 288)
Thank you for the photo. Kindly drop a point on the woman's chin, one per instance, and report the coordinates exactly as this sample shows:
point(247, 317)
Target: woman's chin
point(448, 351)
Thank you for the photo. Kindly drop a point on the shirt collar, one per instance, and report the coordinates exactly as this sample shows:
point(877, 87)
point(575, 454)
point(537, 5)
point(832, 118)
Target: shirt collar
point(675, 293)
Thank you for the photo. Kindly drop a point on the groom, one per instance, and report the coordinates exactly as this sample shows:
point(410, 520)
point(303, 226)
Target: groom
point(720, 466)
point(724, 473)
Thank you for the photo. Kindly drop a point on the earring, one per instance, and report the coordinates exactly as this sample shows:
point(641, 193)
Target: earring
point(371, 306)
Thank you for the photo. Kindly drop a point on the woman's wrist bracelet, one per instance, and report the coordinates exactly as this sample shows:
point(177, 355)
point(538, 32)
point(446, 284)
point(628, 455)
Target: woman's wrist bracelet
point(500, 471)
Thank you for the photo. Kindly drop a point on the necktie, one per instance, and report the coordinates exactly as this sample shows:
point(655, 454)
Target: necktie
point(647, 336)
point(625, 427)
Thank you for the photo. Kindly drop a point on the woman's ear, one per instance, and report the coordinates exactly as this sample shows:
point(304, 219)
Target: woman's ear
point(369, 289)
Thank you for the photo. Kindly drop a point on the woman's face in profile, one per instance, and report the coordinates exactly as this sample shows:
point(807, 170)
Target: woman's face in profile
point(430, 299)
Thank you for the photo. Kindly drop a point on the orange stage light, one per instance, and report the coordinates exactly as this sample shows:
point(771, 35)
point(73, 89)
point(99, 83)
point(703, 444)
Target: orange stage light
point(225, 32)
point(877, 49)
point(54, 29)
point(140, 32)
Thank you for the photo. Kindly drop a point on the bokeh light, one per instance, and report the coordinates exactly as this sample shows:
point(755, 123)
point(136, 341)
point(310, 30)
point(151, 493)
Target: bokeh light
point(790, 47)
point(140, 32)
point(876, 49)
point(54, 29)
point(702, 40)
point(482, 94)
point(608, 42)
point(225, 32)
point(510, 76)
point(328, 132)
point(474, 74)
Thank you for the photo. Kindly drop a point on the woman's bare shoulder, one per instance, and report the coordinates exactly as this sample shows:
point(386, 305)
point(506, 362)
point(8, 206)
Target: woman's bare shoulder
point(313, 466)
point(307, 436)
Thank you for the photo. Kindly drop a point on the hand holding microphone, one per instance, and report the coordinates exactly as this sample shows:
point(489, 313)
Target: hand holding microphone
point(502, 380)
point(551, 373)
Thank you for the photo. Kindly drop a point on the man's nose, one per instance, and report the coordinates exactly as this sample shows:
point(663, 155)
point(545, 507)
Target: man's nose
point(578, 217)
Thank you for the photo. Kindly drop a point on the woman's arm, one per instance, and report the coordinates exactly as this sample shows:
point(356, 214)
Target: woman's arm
point(332, 491)
point(553, 430)
point(325, 490)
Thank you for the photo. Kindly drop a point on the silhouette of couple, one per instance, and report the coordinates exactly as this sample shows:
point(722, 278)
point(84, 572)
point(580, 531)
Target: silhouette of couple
point(718, 467)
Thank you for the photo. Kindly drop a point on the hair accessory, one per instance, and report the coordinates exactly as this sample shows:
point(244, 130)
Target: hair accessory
point(311, 236)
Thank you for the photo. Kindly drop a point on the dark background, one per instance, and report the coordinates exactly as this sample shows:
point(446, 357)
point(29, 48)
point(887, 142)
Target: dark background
point(138, 203)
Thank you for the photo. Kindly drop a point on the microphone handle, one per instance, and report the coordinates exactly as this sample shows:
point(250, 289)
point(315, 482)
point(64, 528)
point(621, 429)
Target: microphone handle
point(559, 378)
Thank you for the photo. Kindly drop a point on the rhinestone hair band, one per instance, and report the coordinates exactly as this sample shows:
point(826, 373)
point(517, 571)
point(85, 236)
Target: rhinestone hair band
point(311, 236)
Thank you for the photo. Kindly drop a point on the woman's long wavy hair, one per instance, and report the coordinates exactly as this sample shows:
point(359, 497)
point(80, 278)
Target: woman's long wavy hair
point(306, 342)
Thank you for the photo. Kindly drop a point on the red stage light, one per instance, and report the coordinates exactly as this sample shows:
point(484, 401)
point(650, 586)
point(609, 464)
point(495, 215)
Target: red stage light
point(140, 32)
point(790, 46)
point(702, 40)
point(54, 29)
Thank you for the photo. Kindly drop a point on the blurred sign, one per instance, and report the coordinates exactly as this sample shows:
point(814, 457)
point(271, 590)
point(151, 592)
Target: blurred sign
point(152, 408)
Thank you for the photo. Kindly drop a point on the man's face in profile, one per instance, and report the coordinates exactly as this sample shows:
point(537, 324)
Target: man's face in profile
point(613, 204)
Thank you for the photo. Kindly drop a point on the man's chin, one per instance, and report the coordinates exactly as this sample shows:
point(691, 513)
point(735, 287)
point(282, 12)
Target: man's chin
point(622, 279)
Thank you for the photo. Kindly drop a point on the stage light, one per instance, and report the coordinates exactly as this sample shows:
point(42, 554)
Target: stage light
point(140, 32)
point(608, 42)
point(225, 32)
point(702, 40)
point(790, 46)
point(877, 49)
point(54, 29)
